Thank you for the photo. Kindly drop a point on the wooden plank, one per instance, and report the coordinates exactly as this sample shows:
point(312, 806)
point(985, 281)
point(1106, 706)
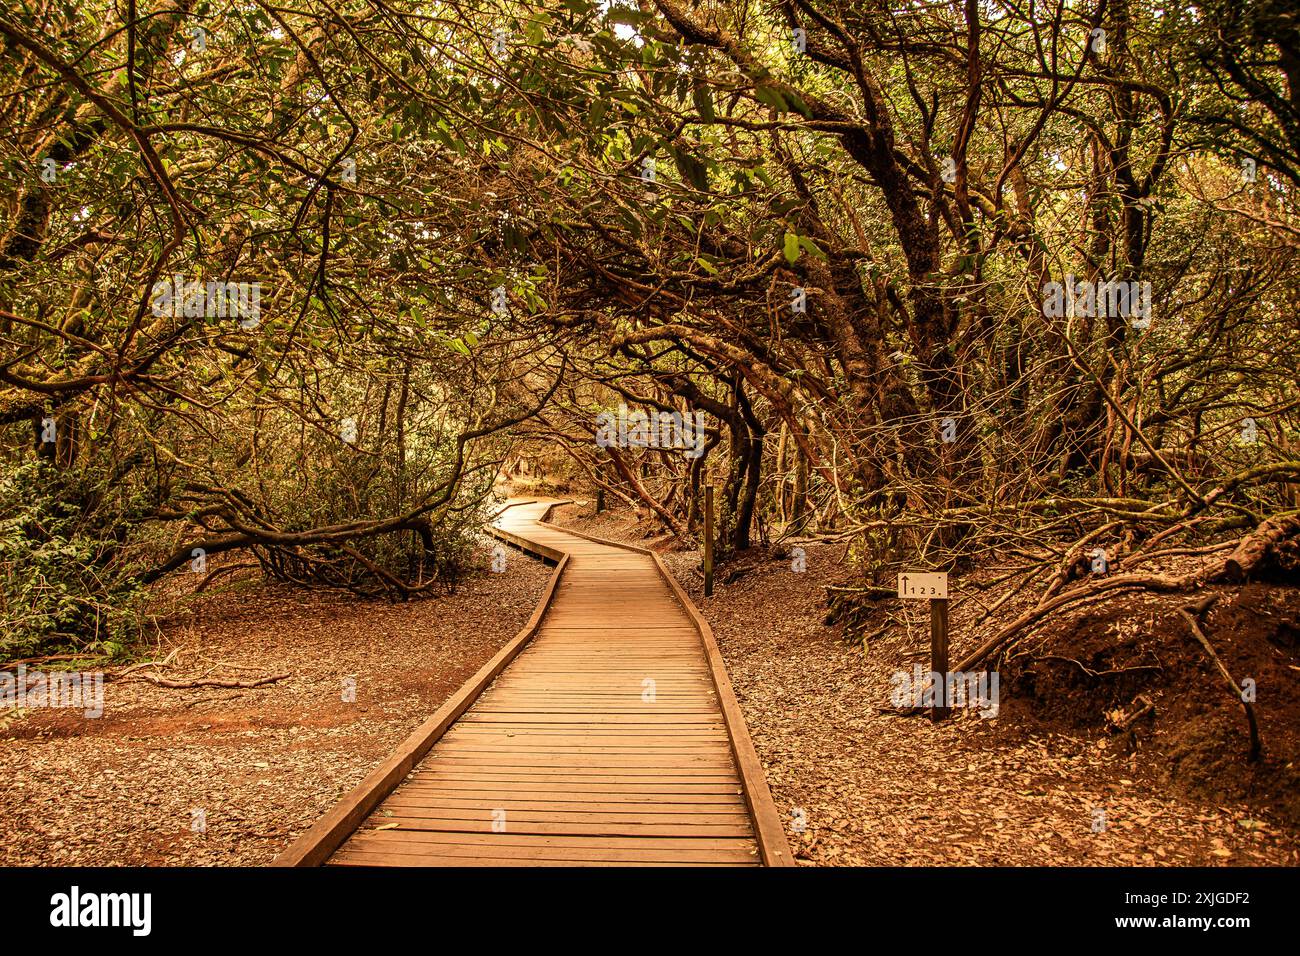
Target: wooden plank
point(403, 804)
point(452, 762)
point(519, 819)
point(567, 825)
point(582, 744)
point(484, 778)
point(553, 795)
point(555, 856)
point(652, 787)
point(435, 860)
point(526, 841)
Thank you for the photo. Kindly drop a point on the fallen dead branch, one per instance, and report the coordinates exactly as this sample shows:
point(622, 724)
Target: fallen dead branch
point(212, 681)
point(870, 593)
point(1251, 551)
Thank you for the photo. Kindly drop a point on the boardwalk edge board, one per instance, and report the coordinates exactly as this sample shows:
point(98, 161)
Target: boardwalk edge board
point(768, 828)
point(314, 847)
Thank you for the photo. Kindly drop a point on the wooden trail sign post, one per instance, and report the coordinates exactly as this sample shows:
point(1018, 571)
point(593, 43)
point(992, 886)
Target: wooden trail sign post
point(932, 586)
point(708, 540)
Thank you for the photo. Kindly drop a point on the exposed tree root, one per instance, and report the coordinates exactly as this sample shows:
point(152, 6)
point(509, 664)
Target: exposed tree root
point(1191, 613)
point(1253, 552)
point(213, 575)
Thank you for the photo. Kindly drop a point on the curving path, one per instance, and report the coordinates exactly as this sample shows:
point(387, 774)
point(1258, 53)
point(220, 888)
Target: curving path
point(610, 736)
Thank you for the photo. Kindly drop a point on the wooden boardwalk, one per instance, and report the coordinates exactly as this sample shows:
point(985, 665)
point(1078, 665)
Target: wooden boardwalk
point(608, 736)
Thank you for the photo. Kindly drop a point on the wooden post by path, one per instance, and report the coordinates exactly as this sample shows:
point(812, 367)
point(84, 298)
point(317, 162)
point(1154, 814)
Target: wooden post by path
point(932, 586)
point(708, 540)
point(939, 657)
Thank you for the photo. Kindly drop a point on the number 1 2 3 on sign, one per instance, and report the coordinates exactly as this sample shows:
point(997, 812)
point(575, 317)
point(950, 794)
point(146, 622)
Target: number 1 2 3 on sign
point(921, 585)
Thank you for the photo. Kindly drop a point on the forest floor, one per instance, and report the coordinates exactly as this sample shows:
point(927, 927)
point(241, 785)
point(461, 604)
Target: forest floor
point(223, 776)
point(1046, 781)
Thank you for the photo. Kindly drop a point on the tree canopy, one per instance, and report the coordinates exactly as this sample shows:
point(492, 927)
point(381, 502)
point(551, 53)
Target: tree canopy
point(943, 279)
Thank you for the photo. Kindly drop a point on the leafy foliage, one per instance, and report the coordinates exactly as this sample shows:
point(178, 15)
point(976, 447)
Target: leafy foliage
point(479, 222)
point(59, 582)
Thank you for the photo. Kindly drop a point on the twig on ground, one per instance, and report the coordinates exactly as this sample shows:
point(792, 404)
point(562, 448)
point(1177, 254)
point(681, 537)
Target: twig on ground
point(213, 681)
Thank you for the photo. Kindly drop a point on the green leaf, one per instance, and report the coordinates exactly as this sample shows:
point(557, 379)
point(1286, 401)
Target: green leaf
point(703, 97)
point(810, 246)
point(798, 105)
point(771, 97)
point(792, 247)
point(692, 170)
